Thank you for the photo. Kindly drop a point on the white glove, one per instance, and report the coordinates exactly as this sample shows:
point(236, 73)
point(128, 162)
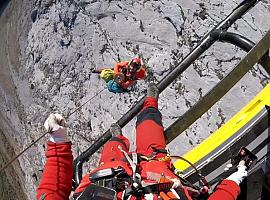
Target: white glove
point(55, 124)
point(240, 174)
point(149, 196)
point(176, 183)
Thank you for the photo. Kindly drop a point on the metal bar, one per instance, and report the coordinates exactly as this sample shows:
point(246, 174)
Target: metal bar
point(219, 90)
point(233, 38)
point(243, 43)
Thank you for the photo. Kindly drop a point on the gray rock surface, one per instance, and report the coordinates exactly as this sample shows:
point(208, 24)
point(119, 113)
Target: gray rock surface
point(13, 138)
point(48, 49)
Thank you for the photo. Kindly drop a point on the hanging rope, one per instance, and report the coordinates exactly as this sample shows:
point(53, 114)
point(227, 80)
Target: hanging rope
point(85, 103)
point(35, 141)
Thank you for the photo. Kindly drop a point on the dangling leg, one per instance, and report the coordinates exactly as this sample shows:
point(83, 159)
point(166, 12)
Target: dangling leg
point(149, 128)
point(111, 151)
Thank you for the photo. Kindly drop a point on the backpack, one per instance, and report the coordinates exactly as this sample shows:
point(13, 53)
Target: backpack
point(114, 87)
point(107, 75)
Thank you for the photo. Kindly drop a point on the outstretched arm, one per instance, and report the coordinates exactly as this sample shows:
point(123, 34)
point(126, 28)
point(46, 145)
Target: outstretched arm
point(56, 182)
point(229, 188)
point(141, 74)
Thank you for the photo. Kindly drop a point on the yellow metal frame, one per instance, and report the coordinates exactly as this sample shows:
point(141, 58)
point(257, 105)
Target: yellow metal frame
point(227, 130)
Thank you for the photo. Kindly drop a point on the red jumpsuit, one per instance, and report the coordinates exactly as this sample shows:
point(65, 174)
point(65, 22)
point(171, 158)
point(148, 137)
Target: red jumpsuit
point(140, 74)
point(56, 180)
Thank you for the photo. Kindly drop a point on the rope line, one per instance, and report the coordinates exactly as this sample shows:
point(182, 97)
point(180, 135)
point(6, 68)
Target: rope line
point(17, 156)
point(85, 102)
point(35, 141)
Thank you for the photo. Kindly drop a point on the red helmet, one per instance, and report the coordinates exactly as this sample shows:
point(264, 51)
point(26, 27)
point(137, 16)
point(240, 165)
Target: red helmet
point(136, 62)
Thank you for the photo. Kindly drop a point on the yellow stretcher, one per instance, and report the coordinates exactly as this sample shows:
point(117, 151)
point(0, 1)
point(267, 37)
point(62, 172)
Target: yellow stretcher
point(227, 131)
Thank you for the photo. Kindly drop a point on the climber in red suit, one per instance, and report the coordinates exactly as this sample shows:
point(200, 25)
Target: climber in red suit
point(152, 168)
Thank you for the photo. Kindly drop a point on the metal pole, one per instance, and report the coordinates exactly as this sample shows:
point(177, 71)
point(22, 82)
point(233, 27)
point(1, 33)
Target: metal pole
point(243, 43)
point(233, 38)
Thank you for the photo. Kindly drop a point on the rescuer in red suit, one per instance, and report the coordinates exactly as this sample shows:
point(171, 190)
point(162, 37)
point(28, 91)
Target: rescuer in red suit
point(152, 169)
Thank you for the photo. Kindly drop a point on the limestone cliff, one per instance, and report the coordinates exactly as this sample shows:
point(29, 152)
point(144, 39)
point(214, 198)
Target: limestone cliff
point(49, 47)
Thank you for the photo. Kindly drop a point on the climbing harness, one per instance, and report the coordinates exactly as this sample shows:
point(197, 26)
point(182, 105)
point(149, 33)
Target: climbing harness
point(164, 186)
point(202, 190)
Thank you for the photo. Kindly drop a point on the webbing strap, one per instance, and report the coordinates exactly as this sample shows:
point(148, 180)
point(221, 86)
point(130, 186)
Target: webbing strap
point(132, 164)
point(135, 162)
point(157, 188)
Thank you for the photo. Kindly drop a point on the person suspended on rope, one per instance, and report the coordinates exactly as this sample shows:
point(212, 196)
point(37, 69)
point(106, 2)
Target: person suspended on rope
point(143, 174)
point(126, 73)
point(123, 75)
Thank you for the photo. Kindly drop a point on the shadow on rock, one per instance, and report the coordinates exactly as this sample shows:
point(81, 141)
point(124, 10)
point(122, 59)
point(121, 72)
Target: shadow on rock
point(3, 5)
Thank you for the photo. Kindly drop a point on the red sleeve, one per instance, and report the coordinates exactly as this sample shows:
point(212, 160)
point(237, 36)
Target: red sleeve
point(56, 182)
point(119, 66)
point(226, 190)
point(140, 74)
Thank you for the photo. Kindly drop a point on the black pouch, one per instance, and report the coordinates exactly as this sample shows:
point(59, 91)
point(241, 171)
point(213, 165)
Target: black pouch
point(94, 192)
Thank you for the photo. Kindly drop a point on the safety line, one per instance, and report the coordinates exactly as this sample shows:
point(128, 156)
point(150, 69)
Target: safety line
point(35, 141)
point(85, 102)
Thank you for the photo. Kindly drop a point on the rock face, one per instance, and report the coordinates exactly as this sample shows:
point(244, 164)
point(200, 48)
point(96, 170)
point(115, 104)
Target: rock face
point(48, 49)
point(14, 29)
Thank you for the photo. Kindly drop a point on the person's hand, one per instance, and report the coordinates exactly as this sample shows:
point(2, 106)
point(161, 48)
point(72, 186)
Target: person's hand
point(240, 174)
point(55, 124)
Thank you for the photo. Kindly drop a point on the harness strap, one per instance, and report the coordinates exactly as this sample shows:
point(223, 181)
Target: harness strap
point(133, 163)
point(157, 188)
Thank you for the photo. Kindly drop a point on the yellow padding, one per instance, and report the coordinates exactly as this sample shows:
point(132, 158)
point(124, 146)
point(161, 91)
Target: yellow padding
point(227, 130)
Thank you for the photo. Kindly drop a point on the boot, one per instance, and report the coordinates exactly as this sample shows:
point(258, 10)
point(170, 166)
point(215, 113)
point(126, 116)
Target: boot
point(152, 90)
point(115, 130)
